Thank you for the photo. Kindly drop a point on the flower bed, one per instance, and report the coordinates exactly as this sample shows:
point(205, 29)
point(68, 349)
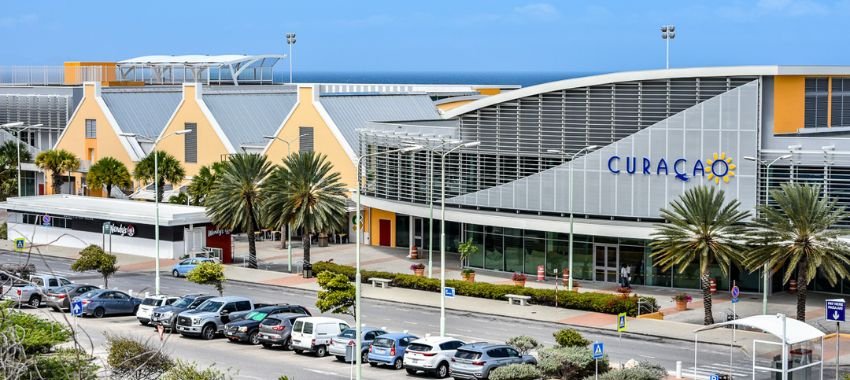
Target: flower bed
point(587, 301)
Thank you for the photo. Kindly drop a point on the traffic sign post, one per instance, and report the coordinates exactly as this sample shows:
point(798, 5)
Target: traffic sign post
point(20, 244)
point(77, 308)
point(835, 312)
point(621, 322)
point(598, 353)
point(450, 292)
point(735, 293)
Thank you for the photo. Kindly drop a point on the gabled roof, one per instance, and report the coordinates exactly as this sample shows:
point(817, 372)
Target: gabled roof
point(245, 117)
point(143, 113)
point(352, 112)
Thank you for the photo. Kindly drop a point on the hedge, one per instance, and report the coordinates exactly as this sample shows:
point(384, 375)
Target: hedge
point(587, 301)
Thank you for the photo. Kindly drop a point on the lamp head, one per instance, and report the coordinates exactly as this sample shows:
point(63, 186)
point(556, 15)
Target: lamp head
point(12, 125)
point(472, 144)
point(592, 147)
point(785, 156)
point(183, 132)
point(411, 148)
point(750, 158)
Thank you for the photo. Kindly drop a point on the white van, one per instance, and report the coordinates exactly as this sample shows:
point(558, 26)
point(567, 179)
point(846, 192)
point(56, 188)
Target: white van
point(314, 334)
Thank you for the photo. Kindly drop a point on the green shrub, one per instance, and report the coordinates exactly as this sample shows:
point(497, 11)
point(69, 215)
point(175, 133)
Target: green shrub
point(4, 231)
point(65, 364)
point(208, 273)
point(337, 294)
point(184, 370)
point(643, 371)
point(516, 372)
point(129, 358)
point(570, 338)
point(569, 362)
point(94, 258)
point(36, 335)
point(588, 301)
point(523, 343)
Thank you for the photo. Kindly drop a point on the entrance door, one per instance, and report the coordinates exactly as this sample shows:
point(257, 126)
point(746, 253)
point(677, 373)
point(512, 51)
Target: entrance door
point(606, 262)
point(385, 228)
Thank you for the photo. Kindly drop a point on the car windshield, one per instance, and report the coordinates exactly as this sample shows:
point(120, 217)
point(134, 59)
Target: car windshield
point(90, 294)
point(464, 354)
point(63, 289)
point(256, 316)
point(150, 302)
point(350, 333)
point(183, 302)
point(419, 347)
point(209, 306)
point(383, 342)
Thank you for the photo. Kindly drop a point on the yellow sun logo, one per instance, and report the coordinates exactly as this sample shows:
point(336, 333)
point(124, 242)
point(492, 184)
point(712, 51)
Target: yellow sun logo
point(720, 167)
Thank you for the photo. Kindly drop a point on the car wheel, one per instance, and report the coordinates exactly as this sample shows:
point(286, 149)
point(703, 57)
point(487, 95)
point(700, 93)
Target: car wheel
point(208, 332)
point(298, 352)
point(364, 357)
point(175, 273)
point(411, 371)
point(143, 323)
point(35, 301)
point(287, 345)
point(373, 364)
point(340, 358)
point(442, 370)
point(99, 312)
point(135, 309)
point(254, 338)
point(398, 364)
point(321, 351)
point(267, 345)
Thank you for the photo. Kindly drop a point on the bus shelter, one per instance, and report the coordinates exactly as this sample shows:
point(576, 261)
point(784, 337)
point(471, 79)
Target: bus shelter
point(797, 355)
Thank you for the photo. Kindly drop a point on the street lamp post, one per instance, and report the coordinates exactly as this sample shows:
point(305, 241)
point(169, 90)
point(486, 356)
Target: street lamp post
point(290, 40)
point(570, 202)
point(443, 231)
point(156, 196)
point(668, 32)
point(358, 325)
point(18, 144)
point(288, 227)
point(766, 269)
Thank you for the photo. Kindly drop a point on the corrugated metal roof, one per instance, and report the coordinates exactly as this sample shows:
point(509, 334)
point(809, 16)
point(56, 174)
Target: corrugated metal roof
point(352, 112)
point(144, 113)
point(246, 117)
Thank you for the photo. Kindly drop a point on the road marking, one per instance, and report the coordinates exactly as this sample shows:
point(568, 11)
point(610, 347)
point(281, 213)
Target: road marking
point(647, 356)
point(326, 373)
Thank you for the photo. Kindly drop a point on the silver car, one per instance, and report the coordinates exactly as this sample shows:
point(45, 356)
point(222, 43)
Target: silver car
point(476, 360)
point(346, 338)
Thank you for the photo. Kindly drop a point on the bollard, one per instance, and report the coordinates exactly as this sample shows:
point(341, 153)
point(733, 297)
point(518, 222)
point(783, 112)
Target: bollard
point(147, 294)
point(678, 369)
point(541, 274)
point(130, 292)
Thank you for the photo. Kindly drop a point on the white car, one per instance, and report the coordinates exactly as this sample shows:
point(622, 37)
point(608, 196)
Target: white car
point(431, 355)
point(150, 303)
point(314, 334)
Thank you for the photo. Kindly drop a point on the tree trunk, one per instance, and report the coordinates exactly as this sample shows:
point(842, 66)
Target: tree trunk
point(160, 190)
point(57, 182)
point(109, 190)
point(706, 299)
point(283, 236)
point(252, 239)
point(106, 282)
point(305, 241)
point(802, 286)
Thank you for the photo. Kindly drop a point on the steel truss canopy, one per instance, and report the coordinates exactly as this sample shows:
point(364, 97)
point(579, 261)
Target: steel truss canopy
point(212, 69)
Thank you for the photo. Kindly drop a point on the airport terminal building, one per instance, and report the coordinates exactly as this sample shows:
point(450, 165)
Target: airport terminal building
point(657, 133)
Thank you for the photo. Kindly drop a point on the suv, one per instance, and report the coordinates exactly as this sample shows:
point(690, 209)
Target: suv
point(277, 329)
point(389, 349)
point(476, 360)
point(246, 326)
point(209, 318)
point(431, 355)
point(341, 341)
point(167, 315)
point(314, 334)
point(34, 292)
point(149, 303)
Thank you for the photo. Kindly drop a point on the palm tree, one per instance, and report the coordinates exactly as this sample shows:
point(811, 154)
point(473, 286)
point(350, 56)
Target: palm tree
point(235, 199)
point(57, 161)
point(108, 172)
point(170, 171)
point(203, 182)
point(9, 167)
point(701, 228)
point(305, 193)
point(796, 234)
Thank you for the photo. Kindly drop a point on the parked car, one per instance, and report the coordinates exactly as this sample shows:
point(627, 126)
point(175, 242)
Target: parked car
point(101, 302)
point(183, 267)
point(270, 309)
point(276, 329)
point(34, 292)
point(59, 299)
point(149, 304)
point(314, 334)
point(167, 315)
point(347, 337)
point(389, 349)
point(476, 360)
point(431, 355)
point(246, 328)
point(208, 319)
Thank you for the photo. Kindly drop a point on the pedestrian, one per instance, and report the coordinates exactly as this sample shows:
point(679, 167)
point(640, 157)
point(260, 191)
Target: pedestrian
point(625, 273)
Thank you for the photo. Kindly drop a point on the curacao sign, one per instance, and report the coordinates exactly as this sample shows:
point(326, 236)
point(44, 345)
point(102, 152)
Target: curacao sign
point(717, 168)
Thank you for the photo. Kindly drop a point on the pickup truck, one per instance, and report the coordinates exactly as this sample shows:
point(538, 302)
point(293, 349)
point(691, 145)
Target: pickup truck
point(208, 319)
point(34, 291)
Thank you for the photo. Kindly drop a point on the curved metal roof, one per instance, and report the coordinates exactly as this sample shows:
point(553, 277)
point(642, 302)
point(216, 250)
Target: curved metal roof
point(201, 60)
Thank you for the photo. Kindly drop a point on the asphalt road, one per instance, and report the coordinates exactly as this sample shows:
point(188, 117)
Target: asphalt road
point(257, 363)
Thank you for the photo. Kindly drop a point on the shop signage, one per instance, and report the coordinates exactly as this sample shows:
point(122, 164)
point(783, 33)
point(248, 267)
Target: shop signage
point(120, 229)
point(218, 232)
point(718, 168)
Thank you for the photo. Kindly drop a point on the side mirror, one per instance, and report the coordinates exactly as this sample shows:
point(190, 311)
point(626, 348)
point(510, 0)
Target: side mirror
point(223, 313)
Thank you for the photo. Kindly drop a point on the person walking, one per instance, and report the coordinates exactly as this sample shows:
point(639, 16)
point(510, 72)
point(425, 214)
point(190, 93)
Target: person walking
point(625, 273)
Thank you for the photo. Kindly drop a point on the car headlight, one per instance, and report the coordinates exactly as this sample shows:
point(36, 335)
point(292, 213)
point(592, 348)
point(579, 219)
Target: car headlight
point(196, 321)
point(165, 315)
point(243, 329)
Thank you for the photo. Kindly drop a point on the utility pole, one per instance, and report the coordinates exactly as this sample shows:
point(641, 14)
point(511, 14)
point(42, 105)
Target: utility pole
point(668, 32)
point(290, 40)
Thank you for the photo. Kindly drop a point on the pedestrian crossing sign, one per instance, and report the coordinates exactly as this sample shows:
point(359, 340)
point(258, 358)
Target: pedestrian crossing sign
point(19, 244)
point(621, 322)
point(598, 350)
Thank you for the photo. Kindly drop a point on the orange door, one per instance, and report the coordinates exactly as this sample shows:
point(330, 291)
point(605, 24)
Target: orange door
point(384, 229)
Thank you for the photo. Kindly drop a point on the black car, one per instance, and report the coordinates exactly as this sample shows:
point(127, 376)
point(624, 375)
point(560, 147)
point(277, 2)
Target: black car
point(167, 315)
point(247, 326)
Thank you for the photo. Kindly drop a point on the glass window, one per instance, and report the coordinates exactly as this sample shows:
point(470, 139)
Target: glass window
point(52, 282)
point(298, 326)
point(402, 230)
point(469, 355)
point(633, 257)
point(308, 328)
point(493, 254)
point(816, 103)
point(476, 260)
point(512, 352)
point(369, 335)
point(535, 254)
point(243, 305)
point(305, 139)
point(91, 128)
point(514, 253)
point(64, 281)
point(422, 347)
point(231, 307)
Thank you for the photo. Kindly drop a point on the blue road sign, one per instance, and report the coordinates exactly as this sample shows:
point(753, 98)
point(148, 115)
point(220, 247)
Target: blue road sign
point(20, 244)
point(714, 376)
point(835, 310)
point(735, 293)
point(621, 322)
point(77, 308)
point(598, 350)
point(450, 292)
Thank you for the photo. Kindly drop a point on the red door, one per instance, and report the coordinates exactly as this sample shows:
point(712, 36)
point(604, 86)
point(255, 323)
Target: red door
point(384, 229)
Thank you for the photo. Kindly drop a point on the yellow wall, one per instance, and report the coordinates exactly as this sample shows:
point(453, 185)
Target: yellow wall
point(490, 91)
point(107, 143)
point(305, 114)
point(789, 97)
point(210, 146)
point(73, 72)
point(451, 105)
point(374, 226)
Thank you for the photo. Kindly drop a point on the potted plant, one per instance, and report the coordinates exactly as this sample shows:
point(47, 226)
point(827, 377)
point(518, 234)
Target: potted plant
point(466, 249)
point(418, 269)
point(519, 279)
point(682, 300)
point(468, 275)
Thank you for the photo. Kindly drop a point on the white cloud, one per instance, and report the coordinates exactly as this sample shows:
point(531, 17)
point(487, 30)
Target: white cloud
point(538, 11)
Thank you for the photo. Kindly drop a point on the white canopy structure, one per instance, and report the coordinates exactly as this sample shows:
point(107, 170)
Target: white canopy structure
point(212, 69)
point(798, 345)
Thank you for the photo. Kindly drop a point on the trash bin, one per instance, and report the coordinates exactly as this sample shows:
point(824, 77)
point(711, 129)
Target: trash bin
point(307, 270)
point(349, 354)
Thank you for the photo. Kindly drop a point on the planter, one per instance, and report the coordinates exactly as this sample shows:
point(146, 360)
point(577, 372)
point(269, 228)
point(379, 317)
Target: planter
point(419, 272)
point(414, 253)
point(469, 277)
point(521, 284)
point(681, 305)
point(323, 240)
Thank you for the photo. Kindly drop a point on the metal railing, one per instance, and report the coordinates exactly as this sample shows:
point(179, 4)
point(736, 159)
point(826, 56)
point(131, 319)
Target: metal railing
point(51, 75)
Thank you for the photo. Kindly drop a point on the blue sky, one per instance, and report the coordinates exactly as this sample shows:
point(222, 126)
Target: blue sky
point(434, 35)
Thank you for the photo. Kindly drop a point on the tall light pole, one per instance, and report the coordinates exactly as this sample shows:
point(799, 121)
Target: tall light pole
point(290, 40)
point(570, 201)
point(358, 325)
point(431, 206)
point(443, 231)
point(288, 227)
point(766, 269)
point(668, 32)
point(156, 195)
point(18, 144)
